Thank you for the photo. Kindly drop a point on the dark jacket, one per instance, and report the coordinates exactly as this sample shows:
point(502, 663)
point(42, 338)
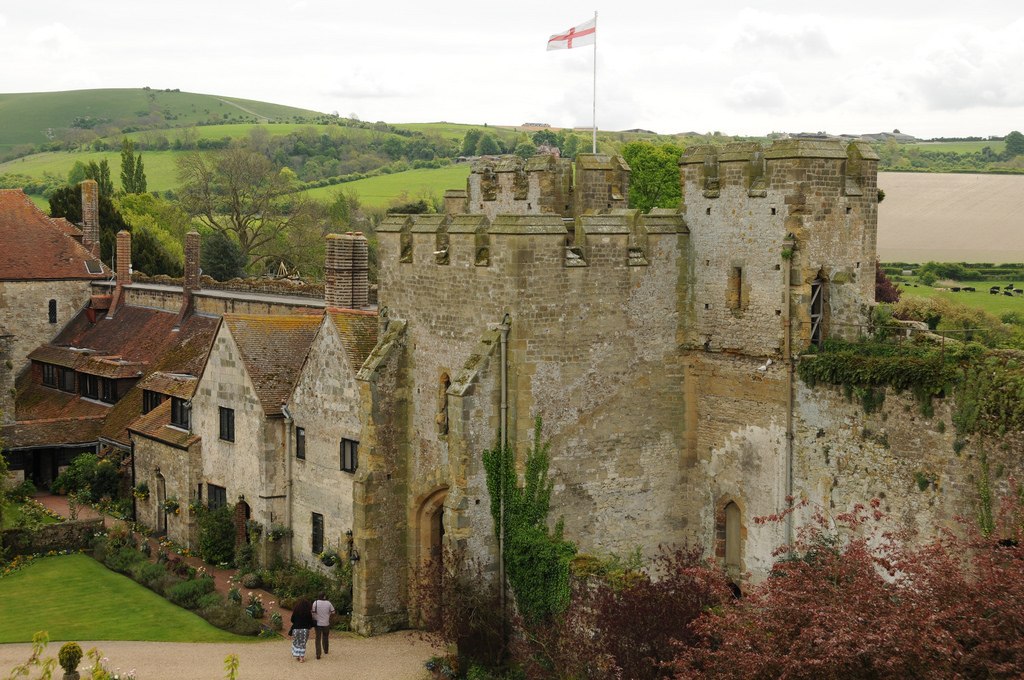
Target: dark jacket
point(302, 619)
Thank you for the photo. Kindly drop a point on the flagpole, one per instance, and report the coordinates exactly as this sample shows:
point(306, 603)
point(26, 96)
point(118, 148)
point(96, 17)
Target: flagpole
point(594, 130)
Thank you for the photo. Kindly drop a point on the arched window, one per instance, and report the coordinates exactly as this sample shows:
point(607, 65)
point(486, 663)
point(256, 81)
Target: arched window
point(732, 538)
point(819, 295)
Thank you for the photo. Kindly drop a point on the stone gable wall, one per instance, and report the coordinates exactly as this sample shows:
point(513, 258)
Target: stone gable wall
point(326, 404)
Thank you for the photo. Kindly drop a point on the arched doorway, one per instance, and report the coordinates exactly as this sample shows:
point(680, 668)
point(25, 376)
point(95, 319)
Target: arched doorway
point(429, 565)
point(242, 514)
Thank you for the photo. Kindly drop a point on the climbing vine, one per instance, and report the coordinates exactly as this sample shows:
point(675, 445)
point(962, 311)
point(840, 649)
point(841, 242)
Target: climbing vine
point(536, 558)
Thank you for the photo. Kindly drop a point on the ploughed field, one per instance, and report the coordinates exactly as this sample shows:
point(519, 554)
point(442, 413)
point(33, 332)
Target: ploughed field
point(951, 218)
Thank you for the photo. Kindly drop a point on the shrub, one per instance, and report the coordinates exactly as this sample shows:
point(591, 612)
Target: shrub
point(230, 618)
point(217, 535)
point(123, 559)
point(69, 656)
point(212, 599)
point(252, 580)
point(188, 593)
point(147, 573)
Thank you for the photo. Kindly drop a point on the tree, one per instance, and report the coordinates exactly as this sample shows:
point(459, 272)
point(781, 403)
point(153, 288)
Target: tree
point(525, 149)
point(885, 289)
point(238, 192)
point(545, 138)
point(133, 176)
point(470, 141)
point(1014, 144)
point(221, 257)
point(488, 145)
point(654, 182)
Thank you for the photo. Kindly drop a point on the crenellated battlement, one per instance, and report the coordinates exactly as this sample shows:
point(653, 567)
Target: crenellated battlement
point(543, 185)
point(782, 165)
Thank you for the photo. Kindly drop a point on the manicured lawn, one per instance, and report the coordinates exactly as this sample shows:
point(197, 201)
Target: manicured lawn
point(76, 598)
point(13, 511)
point(981, 299)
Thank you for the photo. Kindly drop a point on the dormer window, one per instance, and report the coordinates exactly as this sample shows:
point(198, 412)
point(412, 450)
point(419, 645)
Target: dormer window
point(65, 379)
point(49, 375)
point(150, 400)
point(180, 413)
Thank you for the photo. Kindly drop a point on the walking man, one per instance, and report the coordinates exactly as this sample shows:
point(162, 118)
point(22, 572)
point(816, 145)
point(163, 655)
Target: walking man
point(322, 610)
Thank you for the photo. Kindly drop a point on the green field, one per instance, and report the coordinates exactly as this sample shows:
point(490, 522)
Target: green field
point(33, 118)
point(981, 299)
point(76, 598)
point(161, 171)
point(382, 190)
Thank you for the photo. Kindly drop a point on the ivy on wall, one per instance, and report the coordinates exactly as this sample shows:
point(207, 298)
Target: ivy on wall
point(987, 385)
point(536, 558)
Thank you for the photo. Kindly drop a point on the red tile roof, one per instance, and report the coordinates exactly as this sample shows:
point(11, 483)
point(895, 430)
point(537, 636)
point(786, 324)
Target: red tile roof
point(156, 425)
point(66, 227)
point(358, 330)
point(34, 247)
point(82, 430)
point(273, 348)
point(172, 384)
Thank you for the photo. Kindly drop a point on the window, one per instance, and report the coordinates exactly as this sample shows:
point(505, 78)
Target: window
point(734, 295)
point(150, 400)
point(318, 533)
point(65, 379)
point(732, 537)
point(53, 311)
point(300, 443)
point(817, 310)
point(108, 390)
point(89, 386)
point(216, 496)
point(442, 404)
point(50, 375)
point(349, 455)
point(227, 424)
point(180, 416)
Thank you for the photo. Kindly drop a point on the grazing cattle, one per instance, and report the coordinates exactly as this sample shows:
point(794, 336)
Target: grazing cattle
point(969, 289)
point(1009, 286)
point(994, 290)
point(955, 289)
point(1008, 292)
point(1018, 291)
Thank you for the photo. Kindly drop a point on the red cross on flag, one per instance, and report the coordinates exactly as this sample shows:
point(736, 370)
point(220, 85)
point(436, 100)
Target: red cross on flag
point(578, 36)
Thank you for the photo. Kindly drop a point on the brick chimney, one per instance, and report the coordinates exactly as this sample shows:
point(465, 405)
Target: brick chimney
point(124, 269)
point(91, 216)
point(346, 271)
point(190, 283)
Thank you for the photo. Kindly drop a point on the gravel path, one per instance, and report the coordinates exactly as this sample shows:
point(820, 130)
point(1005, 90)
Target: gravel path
point(396, 656)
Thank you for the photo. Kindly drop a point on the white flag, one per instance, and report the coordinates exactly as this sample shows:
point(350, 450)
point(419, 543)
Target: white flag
point(578, 36)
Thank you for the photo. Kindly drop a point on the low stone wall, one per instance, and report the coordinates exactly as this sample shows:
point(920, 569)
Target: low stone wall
point(71, 535)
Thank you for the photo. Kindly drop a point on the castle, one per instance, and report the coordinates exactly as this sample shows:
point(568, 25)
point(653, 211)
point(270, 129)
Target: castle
point(658, 348)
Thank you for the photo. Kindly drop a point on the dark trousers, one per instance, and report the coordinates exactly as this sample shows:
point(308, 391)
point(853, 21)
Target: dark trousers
point(322, 633)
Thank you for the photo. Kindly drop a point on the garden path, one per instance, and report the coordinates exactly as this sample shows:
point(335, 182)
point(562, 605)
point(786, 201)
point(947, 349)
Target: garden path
point(395, 656)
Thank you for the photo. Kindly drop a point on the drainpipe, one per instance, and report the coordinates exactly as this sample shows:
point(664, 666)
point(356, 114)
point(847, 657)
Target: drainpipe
point(504, 328)
point(788, 244)
point(135, 501)
point(287, 426)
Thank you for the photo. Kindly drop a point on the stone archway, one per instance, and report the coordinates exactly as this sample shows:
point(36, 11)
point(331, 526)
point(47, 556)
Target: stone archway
point(429, 560)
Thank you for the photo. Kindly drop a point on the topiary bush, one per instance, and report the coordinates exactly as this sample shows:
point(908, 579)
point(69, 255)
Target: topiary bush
point(217, 535)
point(231, 618)
point(69, 656)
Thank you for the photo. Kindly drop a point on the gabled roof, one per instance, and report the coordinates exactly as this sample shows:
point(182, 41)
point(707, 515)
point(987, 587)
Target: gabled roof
point(37, 249)
point(135, 334)
point(358, 331)
point(66, 227)
point(185, 353)
point(273, 348)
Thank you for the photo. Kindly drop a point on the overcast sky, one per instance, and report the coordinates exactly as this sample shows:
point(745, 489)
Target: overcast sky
point(927, 68)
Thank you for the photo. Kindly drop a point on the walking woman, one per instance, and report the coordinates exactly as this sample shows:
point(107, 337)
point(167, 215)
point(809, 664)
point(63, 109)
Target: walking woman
point(302, 621)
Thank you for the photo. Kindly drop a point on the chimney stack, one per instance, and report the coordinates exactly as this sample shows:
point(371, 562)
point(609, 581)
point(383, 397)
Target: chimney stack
point(124, 269)
point(190, 283)
point(124, 258)
point(346, 271)
point(91, 216)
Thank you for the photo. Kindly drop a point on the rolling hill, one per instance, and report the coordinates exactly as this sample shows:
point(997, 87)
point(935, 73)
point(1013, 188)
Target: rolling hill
point(38, 117)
